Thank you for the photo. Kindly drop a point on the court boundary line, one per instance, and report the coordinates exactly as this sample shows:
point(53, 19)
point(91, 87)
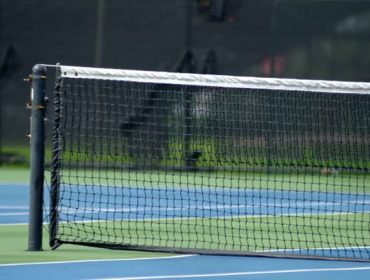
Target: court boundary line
point(196, 218)
point(14, 214)
point(237, 273)
point(14, 184)
point(308, 249)
point(21, 207)
point(97, 260)
point(225, 217)
point(210, 206)
point(15, 224)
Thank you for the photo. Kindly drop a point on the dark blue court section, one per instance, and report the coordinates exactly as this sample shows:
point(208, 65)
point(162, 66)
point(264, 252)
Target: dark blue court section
point(13, 203)
point(192, 267)
point(128, 203)
point(108, 203)
point(349, 252)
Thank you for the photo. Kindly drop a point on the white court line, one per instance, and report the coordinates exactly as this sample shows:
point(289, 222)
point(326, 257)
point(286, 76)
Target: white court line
point(216, 217)
point(20, 207)
point(14, 214)
point(71, 210)
point(197, 218)
point(310, 249)
point(67, 210)
point(14, 184)
point(98, 260)
point(16, 224)
point(237, 273)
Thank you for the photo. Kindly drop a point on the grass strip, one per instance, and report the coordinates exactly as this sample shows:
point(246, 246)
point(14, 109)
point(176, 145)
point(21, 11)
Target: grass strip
point(239, 234)
point(13, 244)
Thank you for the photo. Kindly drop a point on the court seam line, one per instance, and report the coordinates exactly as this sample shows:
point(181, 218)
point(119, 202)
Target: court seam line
point(2, 206)
point(309, 249)
point(95, 260)
point(17, 224)
point(196, 218)
point(14, 184)
point(236, 273)
point(14, 214)
point(251, 216)
point(214, 206)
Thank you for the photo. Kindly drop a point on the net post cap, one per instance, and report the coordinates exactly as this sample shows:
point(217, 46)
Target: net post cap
point(39, 69)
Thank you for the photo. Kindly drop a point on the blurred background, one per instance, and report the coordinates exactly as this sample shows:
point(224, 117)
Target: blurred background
point(311, 39)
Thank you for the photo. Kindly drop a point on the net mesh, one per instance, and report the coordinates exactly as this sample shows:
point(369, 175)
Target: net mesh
point(175, 166)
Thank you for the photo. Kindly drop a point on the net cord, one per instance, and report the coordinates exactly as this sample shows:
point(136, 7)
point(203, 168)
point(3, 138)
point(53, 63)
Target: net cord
point(216, 80)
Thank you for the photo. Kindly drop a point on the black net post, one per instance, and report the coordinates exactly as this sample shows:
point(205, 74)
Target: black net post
point(37, 157)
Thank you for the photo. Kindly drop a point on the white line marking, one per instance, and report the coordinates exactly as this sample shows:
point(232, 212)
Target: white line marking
point(311, 249)
point(14, 224)
point(14, 184)
point(304, 206)
point(99, 260)
point(20, 207)
point(252, 216)
point(14, 214)
point(237, 273)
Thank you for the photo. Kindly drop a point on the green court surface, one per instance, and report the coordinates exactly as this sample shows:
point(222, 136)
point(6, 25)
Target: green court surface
point(14, 175)
point(248, 234)
point(13, 238)
point(13, 242)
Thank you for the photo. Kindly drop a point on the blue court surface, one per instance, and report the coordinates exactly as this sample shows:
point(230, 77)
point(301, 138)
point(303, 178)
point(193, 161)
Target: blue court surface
point(105, 202)
point(14, 210)
point(156, 203)
point(190, 267)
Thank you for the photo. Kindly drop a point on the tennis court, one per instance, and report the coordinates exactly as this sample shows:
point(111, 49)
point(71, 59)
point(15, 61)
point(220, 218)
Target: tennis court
point(15, 205)
point(189, 139)
point(154, 176)
point(191, 267)
point(14, 210)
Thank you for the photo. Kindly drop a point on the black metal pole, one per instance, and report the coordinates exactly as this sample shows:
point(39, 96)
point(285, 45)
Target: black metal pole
point(37, 158)
point(187, 129)
point(187, 66)
point(188, 25)
point(1, 124)
point(99, 32)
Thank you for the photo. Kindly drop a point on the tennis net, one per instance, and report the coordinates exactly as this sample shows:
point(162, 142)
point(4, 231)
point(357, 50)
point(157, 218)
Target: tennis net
point(210, 164)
